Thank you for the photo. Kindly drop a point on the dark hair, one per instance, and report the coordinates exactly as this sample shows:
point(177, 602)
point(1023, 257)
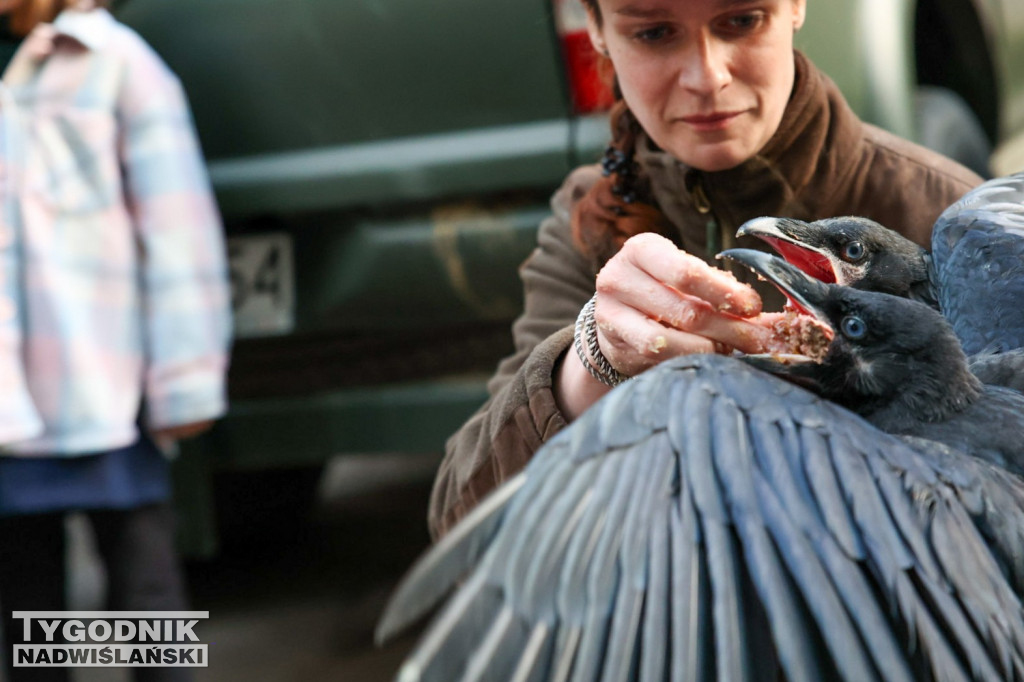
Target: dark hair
point(25, 17)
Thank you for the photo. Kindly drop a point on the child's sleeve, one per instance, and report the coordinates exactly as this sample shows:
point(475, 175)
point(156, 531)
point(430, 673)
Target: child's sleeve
point(184, 275)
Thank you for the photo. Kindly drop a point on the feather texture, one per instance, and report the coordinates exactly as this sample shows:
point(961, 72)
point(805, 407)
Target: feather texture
point(716, 525)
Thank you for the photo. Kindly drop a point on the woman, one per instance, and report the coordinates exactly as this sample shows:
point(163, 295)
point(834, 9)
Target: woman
point(719, 121)
point(114, 307)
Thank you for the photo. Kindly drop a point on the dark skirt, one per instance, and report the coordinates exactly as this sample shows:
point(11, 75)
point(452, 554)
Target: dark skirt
point(117, 479)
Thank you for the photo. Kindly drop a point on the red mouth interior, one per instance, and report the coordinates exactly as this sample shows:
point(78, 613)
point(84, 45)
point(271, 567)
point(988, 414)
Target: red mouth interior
point(810, 262)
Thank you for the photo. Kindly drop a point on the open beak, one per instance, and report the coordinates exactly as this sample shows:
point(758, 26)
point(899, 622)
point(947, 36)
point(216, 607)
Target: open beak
point(794, 240)
point(805, 293)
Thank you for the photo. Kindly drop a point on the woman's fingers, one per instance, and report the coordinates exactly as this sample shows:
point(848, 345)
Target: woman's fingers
point(659, 258)
point(655, 302)
point(633, 341)
point(687, 313)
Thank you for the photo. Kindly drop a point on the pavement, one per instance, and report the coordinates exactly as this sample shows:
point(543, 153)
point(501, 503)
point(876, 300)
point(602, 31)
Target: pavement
point(300, 602)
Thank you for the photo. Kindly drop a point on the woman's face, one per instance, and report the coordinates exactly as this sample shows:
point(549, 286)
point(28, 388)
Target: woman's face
point(707, 79)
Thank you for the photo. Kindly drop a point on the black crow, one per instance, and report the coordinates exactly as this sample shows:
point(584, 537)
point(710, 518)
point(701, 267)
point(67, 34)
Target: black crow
point(851, 251)
point(974, 273)
point(709, 521)
point(897, 363)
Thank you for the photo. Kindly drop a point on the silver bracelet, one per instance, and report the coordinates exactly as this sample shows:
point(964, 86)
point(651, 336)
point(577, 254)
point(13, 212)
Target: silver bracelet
point(586, 326)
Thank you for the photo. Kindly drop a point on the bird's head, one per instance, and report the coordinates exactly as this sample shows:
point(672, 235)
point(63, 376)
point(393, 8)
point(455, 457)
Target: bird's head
point(851, 251)
point(885, 349)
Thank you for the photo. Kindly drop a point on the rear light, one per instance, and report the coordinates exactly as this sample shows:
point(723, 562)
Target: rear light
point(590, 87)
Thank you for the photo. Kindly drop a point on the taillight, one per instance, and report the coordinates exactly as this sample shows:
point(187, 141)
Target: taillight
point(590, 89)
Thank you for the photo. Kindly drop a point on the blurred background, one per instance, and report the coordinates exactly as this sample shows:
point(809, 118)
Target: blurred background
point(299, 601)
point(382, 168)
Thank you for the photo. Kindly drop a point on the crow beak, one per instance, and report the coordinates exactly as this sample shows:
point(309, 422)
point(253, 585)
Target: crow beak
point(796, 241)
point(774, 228)
point(805, 293)
point(797, 369)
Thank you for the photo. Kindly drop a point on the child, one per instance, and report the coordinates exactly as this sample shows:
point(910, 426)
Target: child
point(114, 307)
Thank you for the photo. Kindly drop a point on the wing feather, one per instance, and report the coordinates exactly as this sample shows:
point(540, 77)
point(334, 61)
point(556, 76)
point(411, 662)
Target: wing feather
point(441, 655)
point(656, 626)
point(542, 565)
point(838, 595)
point(655, 465)
point(794, 635)
point(773, 443)
point(603, 576)
point(691, 657)
point(535, 664)
point(977, 250)
point(980, 591)
point(883, 539)
point(436, 572)
point(836, 508)
point(566, 647)
point(696, 440)
point(992, 497)
point(498, 653)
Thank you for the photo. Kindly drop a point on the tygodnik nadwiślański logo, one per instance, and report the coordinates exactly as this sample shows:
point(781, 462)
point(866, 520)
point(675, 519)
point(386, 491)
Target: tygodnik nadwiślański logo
point(131, 639)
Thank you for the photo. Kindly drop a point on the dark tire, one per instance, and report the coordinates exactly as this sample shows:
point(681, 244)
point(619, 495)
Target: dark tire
point(947, 124)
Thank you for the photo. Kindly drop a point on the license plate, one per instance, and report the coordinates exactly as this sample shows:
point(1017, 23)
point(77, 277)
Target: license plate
point(262, 284)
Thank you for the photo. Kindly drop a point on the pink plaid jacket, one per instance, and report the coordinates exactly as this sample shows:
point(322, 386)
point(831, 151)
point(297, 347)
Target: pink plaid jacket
point(113, 279)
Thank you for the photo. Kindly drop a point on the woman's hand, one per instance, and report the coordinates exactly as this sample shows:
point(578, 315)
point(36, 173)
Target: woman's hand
point(183, 431)
point(166, 439)
point(655, 302)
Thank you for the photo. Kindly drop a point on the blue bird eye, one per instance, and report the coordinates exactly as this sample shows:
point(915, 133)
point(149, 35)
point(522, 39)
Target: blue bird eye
point(853, 327)
point(853, 251)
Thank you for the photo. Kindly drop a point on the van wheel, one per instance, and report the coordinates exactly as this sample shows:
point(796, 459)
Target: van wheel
point(947, 124)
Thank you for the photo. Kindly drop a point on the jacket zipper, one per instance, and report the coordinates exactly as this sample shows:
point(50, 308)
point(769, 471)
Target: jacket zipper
point(712, 230)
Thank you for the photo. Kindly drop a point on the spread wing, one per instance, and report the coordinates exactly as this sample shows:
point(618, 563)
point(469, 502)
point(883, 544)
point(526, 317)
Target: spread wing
point(705, 521)
point(978, 253)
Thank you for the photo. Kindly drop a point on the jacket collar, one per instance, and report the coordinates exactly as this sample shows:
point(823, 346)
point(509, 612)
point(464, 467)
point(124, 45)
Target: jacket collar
point(88, 28)
point(91, 28)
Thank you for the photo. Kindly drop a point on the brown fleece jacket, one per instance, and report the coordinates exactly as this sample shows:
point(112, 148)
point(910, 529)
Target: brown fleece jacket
point(822, 162)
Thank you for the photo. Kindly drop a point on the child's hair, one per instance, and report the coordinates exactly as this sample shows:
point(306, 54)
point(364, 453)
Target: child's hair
point(30, 13)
